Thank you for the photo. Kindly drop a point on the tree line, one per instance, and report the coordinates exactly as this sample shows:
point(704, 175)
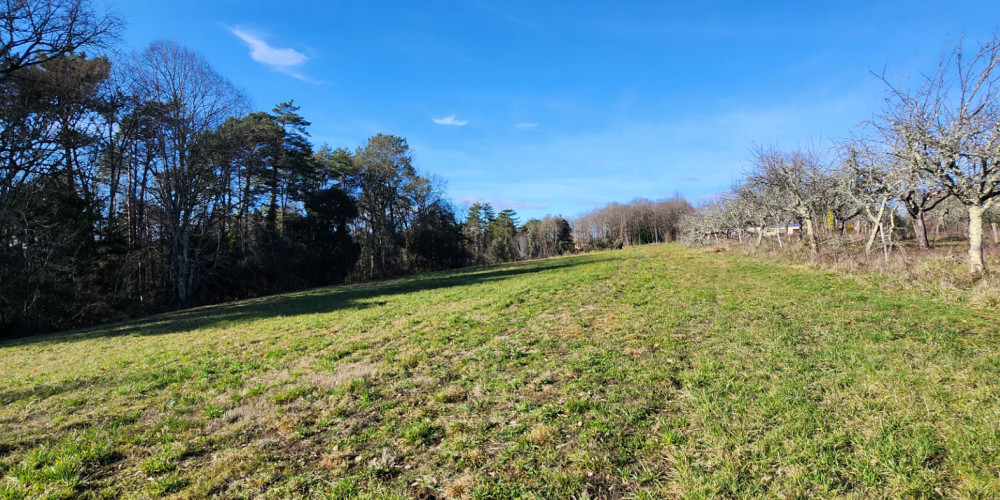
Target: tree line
point(148, 183)
point(495, 237)
point(638, 222)
point(144, 184)
point(932, 151)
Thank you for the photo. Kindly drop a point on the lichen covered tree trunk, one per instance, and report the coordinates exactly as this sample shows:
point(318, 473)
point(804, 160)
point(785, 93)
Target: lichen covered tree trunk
point(975, 239)
point(811, 235)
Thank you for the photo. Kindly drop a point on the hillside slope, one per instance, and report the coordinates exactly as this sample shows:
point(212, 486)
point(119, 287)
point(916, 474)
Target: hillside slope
point(651, 372)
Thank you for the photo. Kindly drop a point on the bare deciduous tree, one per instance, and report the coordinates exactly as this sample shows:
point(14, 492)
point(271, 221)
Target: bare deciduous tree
point(186, 97)
point(637, 222)
point(871, 181)
point(33, 32)
point(758, 207)
point(949, 130)
point(798, 179)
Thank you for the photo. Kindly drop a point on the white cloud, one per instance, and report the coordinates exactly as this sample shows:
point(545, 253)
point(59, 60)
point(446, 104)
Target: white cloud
point(450, 120)
point(526, 125)
point(276, 58)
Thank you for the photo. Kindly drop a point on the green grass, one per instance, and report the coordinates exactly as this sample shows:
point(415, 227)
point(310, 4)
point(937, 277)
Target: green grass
point(652, 372)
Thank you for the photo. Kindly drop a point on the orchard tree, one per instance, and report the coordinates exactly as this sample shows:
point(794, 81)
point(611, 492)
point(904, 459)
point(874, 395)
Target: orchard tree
point(871, 180)
point(948, 129)
point(710, 220)
point(798, 179)
point(757, 206)
point(919, 194)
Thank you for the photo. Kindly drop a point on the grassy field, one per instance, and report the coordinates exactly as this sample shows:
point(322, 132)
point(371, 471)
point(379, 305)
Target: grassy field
point(652, 372)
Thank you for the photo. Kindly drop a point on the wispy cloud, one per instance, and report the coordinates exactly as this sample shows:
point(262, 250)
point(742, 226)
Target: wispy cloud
point(470, 200)
point(500, 204)
point(278, 59)
point(520, 205)
point(526, 125)
point(450, 120)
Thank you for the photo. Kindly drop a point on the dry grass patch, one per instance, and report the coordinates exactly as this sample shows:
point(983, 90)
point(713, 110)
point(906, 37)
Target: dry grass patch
point(345, 374)
point(459, 488)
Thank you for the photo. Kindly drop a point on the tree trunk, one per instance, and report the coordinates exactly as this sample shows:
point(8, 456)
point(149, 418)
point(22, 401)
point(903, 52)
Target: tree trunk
point(920, 227)
point(181, 271)
point(876, 224)
point(975, 239)
point(871, 237)
point(813, 244)
point(993, 226)
point(885, 246)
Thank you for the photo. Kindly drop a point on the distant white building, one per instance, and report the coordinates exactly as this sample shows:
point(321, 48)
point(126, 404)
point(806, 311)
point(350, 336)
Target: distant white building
point(791, 230)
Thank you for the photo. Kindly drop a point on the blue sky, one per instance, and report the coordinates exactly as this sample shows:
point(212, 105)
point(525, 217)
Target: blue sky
point(560, 107)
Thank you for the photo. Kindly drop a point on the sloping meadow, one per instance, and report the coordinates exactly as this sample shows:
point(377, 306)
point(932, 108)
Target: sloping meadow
point(656, 371)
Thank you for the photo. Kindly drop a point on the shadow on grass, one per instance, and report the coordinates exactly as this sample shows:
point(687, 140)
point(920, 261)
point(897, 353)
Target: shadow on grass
point(312, 301)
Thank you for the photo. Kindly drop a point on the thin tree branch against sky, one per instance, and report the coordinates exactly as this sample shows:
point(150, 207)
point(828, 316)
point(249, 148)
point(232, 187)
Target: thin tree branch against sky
point(560, 106)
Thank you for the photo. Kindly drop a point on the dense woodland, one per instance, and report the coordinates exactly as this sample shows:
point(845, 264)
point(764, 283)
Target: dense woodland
point(146, 183)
